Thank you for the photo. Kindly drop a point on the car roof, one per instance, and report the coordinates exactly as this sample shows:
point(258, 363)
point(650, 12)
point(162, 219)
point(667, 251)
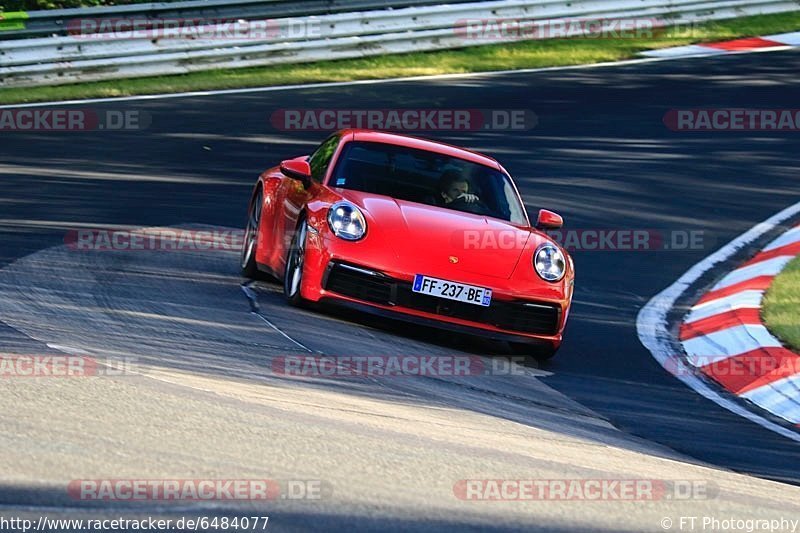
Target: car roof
point(422, 144)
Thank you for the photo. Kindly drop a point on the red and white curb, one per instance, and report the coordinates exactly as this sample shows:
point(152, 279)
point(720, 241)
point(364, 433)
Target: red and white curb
point(749, 44)
point(724, 338)
point(744, 287)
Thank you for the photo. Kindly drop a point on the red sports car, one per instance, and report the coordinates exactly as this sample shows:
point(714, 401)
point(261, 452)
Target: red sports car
point(415, 230)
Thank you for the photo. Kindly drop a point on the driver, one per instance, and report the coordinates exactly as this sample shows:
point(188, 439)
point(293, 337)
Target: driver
point(455, 186)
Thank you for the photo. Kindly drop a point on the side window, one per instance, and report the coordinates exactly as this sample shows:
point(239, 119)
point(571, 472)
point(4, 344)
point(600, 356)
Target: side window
point(320, 159)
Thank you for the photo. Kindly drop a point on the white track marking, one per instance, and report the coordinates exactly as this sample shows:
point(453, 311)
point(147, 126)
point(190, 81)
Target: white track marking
point(728, 342)
point(692, 50)
point(67, 349)
point(790, 237)
point(248, 90)
point(778, 397)
point(792, 38)
point(652, 326)
point(740, 300)
point(770, 267)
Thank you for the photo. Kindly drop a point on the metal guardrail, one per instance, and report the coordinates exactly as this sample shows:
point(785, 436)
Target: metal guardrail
point(54, 22)
point(344, 35)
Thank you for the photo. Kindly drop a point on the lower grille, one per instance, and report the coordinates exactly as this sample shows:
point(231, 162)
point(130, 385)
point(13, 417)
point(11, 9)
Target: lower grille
point(520, 316)
point(359, 284)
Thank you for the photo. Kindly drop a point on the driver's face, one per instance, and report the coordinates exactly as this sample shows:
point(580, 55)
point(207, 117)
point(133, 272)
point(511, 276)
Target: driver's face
point(456, 189)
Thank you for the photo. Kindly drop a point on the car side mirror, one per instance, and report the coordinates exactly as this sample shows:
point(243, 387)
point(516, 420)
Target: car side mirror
point(548, 220)
point(298, 170)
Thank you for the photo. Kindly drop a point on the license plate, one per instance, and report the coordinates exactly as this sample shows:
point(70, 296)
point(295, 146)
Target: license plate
point(452, 290)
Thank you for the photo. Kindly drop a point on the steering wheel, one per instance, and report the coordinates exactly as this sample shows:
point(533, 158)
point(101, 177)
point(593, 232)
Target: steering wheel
point(476, 208)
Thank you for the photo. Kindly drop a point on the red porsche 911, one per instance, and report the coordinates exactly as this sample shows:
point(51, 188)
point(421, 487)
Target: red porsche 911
point(411, 229)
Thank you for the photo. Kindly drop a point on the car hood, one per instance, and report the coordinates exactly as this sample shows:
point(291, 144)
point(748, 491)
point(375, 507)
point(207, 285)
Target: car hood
point(436, 241)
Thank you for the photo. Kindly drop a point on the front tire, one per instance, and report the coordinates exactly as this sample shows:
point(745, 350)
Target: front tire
point(248, 257)
point(293, 275)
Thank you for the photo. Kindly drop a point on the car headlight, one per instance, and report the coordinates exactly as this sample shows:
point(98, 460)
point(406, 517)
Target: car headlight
point(549, 263)
point(346, 221)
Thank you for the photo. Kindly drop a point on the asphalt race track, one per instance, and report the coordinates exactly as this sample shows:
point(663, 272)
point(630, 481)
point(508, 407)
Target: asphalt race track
point(600, 156)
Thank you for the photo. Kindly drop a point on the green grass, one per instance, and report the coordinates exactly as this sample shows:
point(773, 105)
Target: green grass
point(519, 55)
point(782, 306)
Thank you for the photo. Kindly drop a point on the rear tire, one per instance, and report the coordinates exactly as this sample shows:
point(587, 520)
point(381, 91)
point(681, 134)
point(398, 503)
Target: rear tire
point(538, 352)
point(293, 276)
point(248, 257)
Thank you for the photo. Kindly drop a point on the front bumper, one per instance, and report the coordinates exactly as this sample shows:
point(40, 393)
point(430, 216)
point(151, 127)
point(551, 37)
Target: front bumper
point(375, 292)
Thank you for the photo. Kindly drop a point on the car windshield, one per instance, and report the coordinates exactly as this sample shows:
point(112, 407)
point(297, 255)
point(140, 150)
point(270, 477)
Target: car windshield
point(428, 178)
